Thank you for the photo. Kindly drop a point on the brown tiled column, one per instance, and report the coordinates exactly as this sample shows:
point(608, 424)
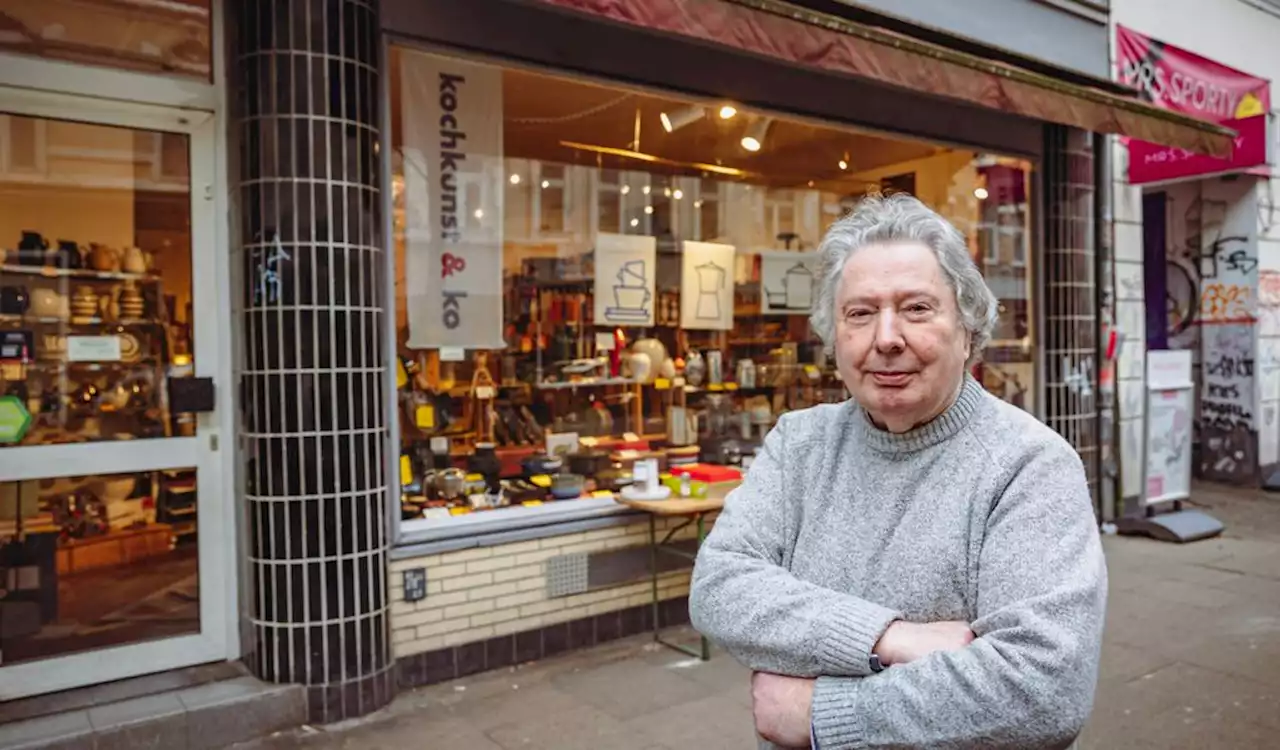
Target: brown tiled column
point(310, 252)
point(1070, 293)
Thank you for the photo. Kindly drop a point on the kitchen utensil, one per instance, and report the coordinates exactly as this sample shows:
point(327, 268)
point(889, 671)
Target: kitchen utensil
point(135, 261)
point(695, 369)
point(131, 303)
point(640, 366)
point(48, 303)
point(567, 486)
point(109, 306)
point(450, 483)
point(746, 373)
point(715, 367)
point(84, 303)
point(485, 462)
point(14, 300)
point(104, 258)
point(541, 463)
point(68, 255)
point(589, 462)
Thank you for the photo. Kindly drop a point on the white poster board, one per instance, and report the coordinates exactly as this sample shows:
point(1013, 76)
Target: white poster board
point(453, 187)
point(1167, 464)
point(787, 282)
point(706, 286)
point(626, 270)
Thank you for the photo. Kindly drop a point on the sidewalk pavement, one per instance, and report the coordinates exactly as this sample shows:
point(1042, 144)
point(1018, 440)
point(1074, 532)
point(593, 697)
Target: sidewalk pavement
point(1191, 659)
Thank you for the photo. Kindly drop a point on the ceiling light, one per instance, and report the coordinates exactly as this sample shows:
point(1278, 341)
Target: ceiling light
point(980, 193)
point(546, 184)
point(648, 209)
point(843, 164)
point(479, 214)
point(754, 138)
point(678, 194)
point(697, 203)
point(515, 179)
point(727, 111)
point(625, 189)
point(635, 222)
point(666, 192)
point(650, 158)
point(673, 121)
point(645, 189)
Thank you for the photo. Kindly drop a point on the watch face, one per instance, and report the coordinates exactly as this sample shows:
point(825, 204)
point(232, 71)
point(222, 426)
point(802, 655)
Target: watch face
point(876, 666)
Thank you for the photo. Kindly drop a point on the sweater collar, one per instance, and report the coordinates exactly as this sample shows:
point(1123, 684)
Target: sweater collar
point(940, 428)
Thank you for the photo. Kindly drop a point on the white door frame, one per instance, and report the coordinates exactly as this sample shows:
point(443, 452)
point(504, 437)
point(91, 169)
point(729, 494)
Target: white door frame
point(210, 452)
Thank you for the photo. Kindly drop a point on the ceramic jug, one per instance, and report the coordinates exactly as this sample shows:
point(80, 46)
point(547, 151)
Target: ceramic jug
point(68, 255)
point(104, 258)
point(135, 261)
point(47, 303)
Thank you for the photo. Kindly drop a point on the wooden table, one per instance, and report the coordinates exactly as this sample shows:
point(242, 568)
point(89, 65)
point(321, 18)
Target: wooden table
point(693, 510)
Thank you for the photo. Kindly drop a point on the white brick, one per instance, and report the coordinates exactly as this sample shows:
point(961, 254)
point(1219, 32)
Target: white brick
point(541, 608)
point(552, 542)
point(470, 635)
point(468, 582)
point(1127, 203)
point(532, 558)
point(402, 607)
point(564, 615)
point(417, 646)
point(531, 584)
point(399, 566)
point(402, 635)
point(519, 548)
point(493, 563)
point(588, 546)
point(1128, 242)
point(442, 572)
point(1129, 281)
point(440, 601)
point(467, 555)
point(492, 592)
point(469, 609)
point(443, 627)
point(612, 605)
point(515, 600)
point(517, 626)
point(518, 573)
point(425, 617)
point(497, 616)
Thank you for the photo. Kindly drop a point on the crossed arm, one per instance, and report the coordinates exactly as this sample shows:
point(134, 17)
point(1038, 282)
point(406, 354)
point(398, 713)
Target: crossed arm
point(1025, 681)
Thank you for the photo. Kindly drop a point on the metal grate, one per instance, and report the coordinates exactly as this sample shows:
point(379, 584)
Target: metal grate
point(310, 317)
point(566, 574)
point(1070, 299)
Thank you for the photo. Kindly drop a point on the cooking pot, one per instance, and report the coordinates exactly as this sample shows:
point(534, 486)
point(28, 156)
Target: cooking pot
point(567, 486)
point(614, 480)
point(541, 463)
point(450, 483)
point(589, 462)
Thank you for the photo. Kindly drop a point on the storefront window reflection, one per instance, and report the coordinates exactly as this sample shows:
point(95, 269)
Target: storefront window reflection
point(95, 280)
point(654, 264)
point(97, 561)
point(150, 36)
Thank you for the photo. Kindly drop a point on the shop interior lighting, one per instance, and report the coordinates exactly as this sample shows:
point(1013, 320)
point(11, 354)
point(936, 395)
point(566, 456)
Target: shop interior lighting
point(980, 193)
point(844, 162)
point(638, 156)
point(648, 209)
point(727, 111)
point(678, 194)
point(635, 222)
point(515, 179)
point(546, 184)
point(754, 139)
point(624, 189)
point(676, 119)
point(645, 189)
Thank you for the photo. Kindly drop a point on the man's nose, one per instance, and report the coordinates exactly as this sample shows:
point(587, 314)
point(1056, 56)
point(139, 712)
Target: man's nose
point(889, 332)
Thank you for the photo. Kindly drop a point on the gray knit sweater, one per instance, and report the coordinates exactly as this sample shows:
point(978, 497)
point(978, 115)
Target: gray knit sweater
point(839, 528)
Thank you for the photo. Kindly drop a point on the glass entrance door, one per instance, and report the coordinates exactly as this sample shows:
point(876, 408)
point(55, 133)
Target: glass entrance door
point(113, 532)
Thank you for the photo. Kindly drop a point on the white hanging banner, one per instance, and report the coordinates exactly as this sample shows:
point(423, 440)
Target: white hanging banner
point(787, 282)
point(451, 117)
point(626, 267)
point(706, 286)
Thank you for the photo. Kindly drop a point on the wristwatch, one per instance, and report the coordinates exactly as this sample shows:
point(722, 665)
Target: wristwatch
point(876, 666)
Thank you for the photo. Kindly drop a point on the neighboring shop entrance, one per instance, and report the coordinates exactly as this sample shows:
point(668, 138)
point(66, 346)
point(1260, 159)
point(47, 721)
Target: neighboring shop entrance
point(115, 545)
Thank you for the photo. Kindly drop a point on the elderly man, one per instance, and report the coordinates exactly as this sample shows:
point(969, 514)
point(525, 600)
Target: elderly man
point(919, 566)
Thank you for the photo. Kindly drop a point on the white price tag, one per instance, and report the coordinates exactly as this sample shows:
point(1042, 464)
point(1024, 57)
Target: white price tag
point(93, 349)
point(452, 354)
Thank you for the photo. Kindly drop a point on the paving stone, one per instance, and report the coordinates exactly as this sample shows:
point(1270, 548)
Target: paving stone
point(629, 689)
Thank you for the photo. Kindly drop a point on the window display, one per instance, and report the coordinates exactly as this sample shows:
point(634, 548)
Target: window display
point(96, 561)
point(95, 280)
point(646, 266)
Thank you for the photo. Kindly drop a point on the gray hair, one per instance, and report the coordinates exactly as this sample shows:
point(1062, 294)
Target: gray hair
point(899, 218)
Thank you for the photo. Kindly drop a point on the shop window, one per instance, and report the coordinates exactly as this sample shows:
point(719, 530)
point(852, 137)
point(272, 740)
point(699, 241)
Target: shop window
point(96, 561)
point(95, 283)
point(172, 37)
point(569, 318)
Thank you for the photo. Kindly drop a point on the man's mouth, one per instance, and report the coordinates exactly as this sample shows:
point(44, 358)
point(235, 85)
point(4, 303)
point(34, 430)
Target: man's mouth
point(891, 377)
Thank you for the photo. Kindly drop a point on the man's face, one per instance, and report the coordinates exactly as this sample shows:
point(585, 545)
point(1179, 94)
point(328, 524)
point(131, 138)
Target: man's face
point(900, 346)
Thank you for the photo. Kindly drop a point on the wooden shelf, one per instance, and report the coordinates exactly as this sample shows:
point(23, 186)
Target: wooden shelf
point(50, 272)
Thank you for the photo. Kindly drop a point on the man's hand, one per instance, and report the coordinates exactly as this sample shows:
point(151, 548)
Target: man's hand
point(782, 708)
point(907, 641)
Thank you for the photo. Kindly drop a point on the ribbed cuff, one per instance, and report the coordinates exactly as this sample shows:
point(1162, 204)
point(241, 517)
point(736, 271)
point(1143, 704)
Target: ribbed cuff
point(836, 720)
point(851, 631)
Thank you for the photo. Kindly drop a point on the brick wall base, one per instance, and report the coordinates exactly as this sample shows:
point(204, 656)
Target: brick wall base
point(442, 665)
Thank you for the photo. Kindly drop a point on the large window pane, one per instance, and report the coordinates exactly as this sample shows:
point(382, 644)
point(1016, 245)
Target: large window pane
point(96, 561)
point(95, 279)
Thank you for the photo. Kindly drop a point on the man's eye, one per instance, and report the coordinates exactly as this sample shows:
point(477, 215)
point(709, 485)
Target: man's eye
point(918, 307)
point(859, 314)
